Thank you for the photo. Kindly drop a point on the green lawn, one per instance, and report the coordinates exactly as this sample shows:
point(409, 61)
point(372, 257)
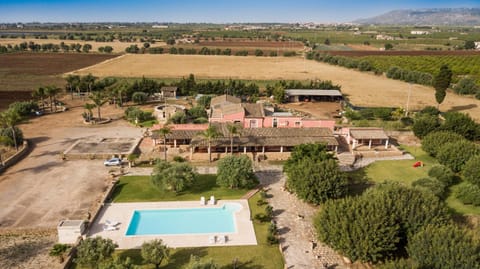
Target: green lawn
point(141, 189)
point(398, 171)
point(405, 173)
point(260, 256)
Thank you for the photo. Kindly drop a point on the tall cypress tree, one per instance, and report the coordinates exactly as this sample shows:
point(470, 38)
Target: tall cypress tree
point(441, 83)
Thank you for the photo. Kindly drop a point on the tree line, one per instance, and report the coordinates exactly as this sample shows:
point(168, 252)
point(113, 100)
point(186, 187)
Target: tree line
point(50, 47)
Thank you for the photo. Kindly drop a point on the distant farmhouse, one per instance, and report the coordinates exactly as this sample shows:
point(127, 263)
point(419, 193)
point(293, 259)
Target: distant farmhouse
point(300, 95)
point(417, 32)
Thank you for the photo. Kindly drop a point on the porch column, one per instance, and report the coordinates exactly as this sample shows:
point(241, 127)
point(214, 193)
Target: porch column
point(244, 150)
point(191, 153)
point(336, 148)
point(281, 148)
point(369, 143)
point(386, 144)
point(174, 143)
point(354, 143)
point(263, 150)
point(226, 150)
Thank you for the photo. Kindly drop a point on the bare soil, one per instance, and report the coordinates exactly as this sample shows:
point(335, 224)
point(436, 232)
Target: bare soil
point(41, 190)
point(361, 89)
point(21, 73)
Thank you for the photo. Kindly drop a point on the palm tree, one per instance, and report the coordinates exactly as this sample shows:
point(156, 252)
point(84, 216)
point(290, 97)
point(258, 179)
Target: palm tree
point(51, 92)
point(89, 81)
point(99, 100)
point(89, 108)
point(233, 130)
point(210, 133)
point(164, 131)
point(72, 83)
point(9, 119)
point(39, 94)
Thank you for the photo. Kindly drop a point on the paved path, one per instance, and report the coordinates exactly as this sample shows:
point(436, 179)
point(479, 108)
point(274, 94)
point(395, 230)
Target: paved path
point(295, 223)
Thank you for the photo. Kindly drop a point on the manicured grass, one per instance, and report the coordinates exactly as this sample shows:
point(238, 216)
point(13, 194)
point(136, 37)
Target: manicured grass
point(260, 256)
point(398, 171)
point(148, 123)
point(141, 189)
point(405, 173)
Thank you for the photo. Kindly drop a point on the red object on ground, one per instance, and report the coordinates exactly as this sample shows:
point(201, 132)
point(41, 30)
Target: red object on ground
point(417, 164)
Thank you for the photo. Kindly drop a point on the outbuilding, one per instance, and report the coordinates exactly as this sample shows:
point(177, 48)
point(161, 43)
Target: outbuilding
point(306, 95)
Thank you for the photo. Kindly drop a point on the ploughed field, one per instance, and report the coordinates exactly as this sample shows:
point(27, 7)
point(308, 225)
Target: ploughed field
point(362, 89)
point(21, 73)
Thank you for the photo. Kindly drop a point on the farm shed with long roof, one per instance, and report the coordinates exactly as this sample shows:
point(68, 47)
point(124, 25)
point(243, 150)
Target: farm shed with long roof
point(300, 95)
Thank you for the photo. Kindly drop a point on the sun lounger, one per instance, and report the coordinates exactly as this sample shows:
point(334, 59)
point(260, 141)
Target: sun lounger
point(202, 200)
point(212, 239)
point(109, 228)
point(222, 239)
point(111, 223)
point(212, 200)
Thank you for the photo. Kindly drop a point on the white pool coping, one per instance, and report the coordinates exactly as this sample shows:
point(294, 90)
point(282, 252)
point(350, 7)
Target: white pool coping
point(122, 213)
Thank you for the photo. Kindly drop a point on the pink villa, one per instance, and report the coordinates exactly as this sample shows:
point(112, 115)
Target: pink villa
point(230, 109)
point(262, 130)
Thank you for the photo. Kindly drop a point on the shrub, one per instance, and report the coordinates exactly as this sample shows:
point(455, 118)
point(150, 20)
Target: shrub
point(469, 193)
point(314, 175)
point(433, 141)
point(92, 251)
point(444, 247)
point(178, 159)
point(376, 225)
point(133, 114)
point(200, 120)
point(471, 170)
point(454, 155)
point(8, 133)
point(466, 86)
point(425, 124)
point(432, 185)
point(178, 118)
point(24, 108)
point(236, 172)
point(461, 124)
point(197, 263)
point(443, 174)
point(139, 98)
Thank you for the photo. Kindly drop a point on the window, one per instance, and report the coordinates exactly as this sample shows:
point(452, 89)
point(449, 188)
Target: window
point(253, 124)
point(298, 124)
point(275, 123)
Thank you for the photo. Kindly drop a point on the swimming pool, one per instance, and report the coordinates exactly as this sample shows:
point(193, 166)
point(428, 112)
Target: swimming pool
point(184, 221)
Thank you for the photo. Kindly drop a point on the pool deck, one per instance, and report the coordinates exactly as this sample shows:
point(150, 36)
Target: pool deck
point(122, 213)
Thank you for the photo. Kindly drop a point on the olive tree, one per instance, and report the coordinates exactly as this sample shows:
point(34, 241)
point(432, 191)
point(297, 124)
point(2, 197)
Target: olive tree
point(174, 177)
point(236, 172)
point(92, 251)
point(155, 252)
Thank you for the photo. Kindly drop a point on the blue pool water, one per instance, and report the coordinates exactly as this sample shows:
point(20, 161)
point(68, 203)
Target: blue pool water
point(184, 221)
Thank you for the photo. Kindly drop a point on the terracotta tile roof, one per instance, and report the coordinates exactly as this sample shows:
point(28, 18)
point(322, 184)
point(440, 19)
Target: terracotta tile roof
point(253, 110)
point(221, 99)
point(368, 133)
point(271, 137)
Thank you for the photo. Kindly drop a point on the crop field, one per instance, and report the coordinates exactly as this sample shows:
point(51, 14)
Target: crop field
point(362, 89)
point(460, 65)
point(254, 44)
point(21, 73)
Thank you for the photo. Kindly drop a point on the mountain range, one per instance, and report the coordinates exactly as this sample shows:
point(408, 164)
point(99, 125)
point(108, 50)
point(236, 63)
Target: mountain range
point(432, 16)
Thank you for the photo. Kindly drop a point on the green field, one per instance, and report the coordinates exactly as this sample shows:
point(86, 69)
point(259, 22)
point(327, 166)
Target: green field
point(141, 189)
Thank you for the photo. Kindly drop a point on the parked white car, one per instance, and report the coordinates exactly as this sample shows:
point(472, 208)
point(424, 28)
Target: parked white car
point(113, 162)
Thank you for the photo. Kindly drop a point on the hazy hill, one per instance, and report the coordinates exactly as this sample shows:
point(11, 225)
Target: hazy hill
point(434, 16)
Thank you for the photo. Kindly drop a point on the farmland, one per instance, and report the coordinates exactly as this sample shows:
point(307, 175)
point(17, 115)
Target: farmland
point(362, 89)
point(461, 65)
point(22, 73)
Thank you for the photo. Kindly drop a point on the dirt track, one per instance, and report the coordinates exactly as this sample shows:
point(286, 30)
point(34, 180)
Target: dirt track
point(362, 89)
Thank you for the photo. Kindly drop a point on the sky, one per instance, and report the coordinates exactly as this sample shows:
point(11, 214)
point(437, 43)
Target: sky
point(209, 11)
